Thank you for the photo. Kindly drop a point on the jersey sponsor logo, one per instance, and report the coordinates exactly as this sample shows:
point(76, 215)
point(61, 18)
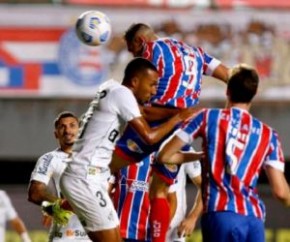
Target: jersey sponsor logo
point(72, 234)
point(80, 233)
point(139, 186)
point(92, 170)
point(57, 234)
point(133, 146)
point(46, 162)
point(69, 233)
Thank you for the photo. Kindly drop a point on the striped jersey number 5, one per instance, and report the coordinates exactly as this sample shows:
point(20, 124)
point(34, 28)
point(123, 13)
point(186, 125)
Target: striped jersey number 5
point(232, 145)
point(190, 65)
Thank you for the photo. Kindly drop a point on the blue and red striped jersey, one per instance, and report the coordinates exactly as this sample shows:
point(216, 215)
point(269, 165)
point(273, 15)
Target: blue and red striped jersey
point(237, 146)
point(132, 200)
point(180, 69)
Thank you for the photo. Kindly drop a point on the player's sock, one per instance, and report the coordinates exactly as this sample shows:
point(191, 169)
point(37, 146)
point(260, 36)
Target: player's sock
point(159, 219)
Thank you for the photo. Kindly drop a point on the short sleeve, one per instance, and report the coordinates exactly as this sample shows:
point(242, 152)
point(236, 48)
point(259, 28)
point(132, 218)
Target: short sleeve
point(275, 157)
point(210, 63)
point(193, 128)
point(43, 169)
point(125, 104)
point(185, 137)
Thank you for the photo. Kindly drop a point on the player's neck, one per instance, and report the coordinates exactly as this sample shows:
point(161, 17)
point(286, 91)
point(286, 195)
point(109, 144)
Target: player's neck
point(66, 149)
point(245, 106)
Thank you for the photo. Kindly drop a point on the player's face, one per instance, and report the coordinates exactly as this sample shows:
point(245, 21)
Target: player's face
point(147, 86)
point(136, 47)
point(67, 131)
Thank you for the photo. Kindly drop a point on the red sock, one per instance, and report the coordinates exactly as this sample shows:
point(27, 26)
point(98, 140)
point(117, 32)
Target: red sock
point(159, 219)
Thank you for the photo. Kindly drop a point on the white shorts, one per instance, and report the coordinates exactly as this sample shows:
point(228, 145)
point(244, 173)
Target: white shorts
point(90, 201)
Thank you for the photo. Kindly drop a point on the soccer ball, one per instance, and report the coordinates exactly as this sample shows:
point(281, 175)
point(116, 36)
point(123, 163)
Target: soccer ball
point(93, 28)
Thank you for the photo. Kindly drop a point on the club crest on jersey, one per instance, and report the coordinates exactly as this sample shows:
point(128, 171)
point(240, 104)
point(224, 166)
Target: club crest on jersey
point(133, 146)
point(81, 64)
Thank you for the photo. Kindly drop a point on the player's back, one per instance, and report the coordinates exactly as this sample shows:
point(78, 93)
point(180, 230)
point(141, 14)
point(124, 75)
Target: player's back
point(238, 145)
point(180, 69)
point(101, 126)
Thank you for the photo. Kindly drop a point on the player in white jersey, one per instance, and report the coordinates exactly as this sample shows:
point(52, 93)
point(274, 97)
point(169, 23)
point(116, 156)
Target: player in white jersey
point(182, 225)
point(48, 169)
point(9, 214)
point(84, 182)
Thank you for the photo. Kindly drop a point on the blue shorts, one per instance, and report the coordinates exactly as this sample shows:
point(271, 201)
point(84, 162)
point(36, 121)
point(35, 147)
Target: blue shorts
point(132, 148)
point(167, 173)
point(231, 227)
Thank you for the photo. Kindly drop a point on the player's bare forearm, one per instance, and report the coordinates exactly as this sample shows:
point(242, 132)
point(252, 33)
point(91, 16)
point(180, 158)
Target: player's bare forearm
point(183, 157)
point(154, 135)
point(279, 186)
point(171, 154)
point(158, 113)
point(172, 199)
point(222, 73)
point(38, 192)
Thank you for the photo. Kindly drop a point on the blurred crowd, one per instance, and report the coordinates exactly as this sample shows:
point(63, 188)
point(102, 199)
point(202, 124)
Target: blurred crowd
point(257, 44)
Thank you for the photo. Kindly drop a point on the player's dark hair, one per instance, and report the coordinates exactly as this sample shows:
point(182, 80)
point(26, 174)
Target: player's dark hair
point(243, 85)
point(136, 66)
point(64, 114)
point(132, 30)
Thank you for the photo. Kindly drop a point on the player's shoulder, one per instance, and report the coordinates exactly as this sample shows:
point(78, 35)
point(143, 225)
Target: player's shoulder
point(166, 39)
point(110, 84)
point(215, 112)
point(56, 154)
point(259, 123)
point(111, 87)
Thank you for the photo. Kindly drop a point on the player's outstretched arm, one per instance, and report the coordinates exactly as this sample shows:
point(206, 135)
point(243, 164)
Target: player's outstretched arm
point(158, 113)
point(38, 192)
point(170, 153)
point(222, 73)
point(154, 135)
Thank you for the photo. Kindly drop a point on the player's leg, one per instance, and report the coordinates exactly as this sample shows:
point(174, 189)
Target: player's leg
point(176, 216)
point(163, 176)
point(93, 206)
point(118, 162)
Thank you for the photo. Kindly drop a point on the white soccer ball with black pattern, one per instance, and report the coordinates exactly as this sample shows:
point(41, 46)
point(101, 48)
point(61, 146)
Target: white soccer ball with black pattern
point(93, 28)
